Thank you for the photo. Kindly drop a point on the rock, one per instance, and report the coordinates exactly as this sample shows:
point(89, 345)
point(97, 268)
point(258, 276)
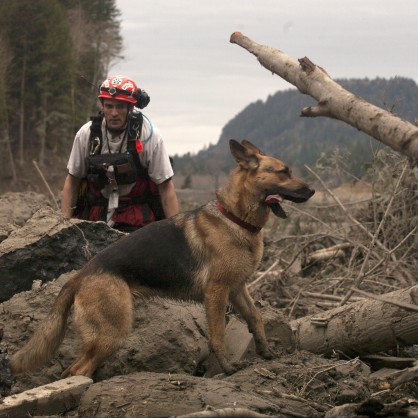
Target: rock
point(164, 395)
point(6, 378)
point(6, 230)
point(46, 246)
point(17, 208)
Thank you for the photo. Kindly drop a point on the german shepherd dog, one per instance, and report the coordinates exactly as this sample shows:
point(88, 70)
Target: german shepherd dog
point(205, 255)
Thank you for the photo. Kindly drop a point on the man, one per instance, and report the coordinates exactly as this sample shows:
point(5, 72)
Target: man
point(119, 170)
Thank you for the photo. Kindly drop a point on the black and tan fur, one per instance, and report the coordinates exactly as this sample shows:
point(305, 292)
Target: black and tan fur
point(201, 255)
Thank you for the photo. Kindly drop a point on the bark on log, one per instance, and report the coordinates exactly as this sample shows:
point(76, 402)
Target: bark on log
point(333, 100)
point(363, 327)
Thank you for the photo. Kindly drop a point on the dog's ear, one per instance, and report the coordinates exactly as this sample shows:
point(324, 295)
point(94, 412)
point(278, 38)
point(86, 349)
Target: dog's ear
point(245, 157)
point(251, 146)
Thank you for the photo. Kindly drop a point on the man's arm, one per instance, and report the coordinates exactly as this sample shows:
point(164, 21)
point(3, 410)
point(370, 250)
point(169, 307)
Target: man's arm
point(69, 195)
point(168, 198)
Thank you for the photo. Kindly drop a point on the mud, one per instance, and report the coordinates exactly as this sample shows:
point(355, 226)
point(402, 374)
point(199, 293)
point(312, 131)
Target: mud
point(160, 371)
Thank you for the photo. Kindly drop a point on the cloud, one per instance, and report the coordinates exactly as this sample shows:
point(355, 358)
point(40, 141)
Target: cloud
point(180, 53)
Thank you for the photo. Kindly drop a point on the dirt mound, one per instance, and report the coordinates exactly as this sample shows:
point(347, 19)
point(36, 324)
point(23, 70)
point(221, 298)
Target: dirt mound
point(160, 370)
point(16, 209)
point(169, 341)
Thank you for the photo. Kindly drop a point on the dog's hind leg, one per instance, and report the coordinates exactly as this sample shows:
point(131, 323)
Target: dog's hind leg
point(103, 316)
point(244, 305)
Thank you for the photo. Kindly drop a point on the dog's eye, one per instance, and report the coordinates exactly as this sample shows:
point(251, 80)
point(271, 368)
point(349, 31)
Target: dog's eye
point(283, 171)
point(286, 170)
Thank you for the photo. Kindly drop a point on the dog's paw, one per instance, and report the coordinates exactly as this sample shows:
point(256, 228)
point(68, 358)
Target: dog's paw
point(268, 353)
point(229, 368)
point(242, 364)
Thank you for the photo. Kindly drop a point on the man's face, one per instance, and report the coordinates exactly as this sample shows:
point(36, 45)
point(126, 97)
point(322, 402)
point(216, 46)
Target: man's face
point(115, 113)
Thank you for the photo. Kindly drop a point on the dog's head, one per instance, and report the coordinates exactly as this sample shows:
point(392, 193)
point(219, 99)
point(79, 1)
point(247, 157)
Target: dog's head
point(272, 179)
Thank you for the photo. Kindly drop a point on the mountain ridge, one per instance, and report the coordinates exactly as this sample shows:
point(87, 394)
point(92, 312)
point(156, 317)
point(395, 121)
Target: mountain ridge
point(276, 127)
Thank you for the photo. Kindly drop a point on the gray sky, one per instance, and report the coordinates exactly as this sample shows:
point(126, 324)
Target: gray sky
point(179, 52)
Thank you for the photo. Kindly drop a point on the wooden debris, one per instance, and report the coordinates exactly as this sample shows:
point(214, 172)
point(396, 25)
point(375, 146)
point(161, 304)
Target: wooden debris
point(50, 399)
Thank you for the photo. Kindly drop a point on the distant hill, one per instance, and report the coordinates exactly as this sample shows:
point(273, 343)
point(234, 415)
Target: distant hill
point(276, 127)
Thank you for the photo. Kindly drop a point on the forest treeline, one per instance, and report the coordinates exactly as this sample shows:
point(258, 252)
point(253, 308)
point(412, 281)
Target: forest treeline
point(45, 45)
point(275, 125)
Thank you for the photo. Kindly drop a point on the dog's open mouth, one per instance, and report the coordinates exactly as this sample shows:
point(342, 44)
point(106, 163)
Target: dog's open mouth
point(274, 199)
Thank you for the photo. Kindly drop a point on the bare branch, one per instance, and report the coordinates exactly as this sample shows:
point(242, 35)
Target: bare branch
point(404, 305)
point(333, 100)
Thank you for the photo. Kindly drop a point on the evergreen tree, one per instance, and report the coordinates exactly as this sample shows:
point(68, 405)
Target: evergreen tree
point(41, 71)
point(50, 43)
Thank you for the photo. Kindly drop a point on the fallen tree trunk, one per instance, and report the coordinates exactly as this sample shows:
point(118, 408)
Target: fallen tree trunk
point(325, 254)
point(363, 327)
point(333, 100)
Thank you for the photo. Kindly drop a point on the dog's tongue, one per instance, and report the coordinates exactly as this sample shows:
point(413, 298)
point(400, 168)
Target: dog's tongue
point(274, 198)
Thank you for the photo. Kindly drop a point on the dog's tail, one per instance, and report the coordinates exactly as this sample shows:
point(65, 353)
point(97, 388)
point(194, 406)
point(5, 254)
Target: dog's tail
point(48, 337)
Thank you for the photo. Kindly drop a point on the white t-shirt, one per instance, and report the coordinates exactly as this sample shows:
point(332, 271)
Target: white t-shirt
point(154, 155)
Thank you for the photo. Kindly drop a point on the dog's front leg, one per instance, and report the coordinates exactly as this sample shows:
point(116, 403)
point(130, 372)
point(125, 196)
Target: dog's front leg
point(216, 298)
point(244, 305)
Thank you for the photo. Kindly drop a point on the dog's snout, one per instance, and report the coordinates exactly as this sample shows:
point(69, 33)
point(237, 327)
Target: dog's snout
point(307, 193)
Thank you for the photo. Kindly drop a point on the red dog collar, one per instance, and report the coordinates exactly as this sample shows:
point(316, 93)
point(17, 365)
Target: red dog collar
point(238, 221)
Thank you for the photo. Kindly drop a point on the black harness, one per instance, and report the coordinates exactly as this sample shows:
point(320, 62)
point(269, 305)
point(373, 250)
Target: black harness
point(126, 167)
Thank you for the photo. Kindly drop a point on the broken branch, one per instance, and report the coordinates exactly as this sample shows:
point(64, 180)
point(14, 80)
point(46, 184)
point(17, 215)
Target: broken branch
point(333, 100)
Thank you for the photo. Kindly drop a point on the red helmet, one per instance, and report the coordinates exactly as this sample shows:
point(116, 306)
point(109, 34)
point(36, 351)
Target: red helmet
point(119, 87)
